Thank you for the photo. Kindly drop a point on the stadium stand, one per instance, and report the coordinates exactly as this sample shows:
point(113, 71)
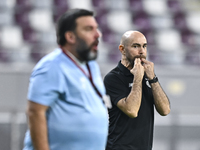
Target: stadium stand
point(172, 28)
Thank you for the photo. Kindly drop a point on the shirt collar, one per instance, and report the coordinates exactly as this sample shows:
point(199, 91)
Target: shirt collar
point(123, 69)
point(75, 59)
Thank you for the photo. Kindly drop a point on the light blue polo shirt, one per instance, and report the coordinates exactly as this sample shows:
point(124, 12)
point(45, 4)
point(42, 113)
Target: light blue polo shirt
point(77, 118)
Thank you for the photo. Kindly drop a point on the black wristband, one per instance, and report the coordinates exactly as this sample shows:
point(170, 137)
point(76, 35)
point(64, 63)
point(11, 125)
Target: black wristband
point(154, 80)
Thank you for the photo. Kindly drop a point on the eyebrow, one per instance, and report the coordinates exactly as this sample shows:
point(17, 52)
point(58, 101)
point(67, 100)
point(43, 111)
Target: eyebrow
point(90, 26)
point(139, 44)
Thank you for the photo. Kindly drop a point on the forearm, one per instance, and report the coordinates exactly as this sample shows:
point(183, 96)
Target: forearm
point(131, 104)
point(161, 100)
point(38, 130)
point(134, 98)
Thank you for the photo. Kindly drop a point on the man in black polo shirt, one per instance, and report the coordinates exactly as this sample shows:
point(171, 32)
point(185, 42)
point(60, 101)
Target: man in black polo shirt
point(134, 91)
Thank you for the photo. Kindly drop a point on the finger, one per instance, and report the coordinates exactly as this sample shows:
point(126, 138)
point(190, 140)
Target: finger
point(144, 60)
point(136, 60)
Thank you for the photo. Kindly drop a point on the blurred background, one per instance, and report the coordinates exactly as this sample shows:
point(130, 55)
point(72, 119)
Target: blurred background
point(172, 28)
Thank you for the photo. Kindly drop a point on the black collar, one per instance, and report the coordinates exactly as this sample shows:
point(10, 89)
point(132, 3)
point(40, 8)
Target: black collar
point(123, 69)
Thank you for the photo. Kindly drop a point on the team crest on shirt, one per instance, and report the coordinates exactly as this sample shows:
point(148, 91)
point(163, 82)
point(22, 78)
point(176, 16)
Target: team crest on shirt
point(147, 83)
point(130, 84)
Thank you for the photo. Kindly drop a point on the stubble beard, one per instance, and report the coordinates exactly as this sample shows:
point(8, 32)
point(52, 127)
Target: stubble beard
point(132, 60)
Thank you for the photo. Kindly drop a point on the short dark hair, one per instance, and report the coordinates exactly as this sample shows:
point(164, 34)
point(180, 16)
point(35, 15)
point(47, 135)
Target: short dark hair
point(67, 22)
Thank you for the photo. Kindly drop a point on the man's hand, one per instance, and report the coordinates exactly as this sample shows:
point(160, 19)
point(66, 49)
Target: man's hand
point(137, 70)
point(148, 68)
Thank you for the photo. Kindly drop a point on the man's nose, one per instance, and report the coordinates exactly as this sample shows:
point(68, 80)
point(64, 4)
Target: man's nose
point(98, 33)
point(142, 49)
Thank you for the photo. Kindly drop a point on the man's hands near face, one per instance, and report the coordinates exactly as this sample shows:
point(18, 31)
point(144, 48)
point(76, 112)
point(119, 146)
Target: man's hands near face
point(148, 68)
point(137, 70)
point(142, 66)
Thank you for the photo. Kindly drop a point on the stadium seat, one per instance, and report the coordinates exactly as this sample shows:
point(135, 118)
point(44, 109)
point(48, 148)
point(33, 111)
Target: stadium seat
point(98, 4)
point(11, 37)
point(120, 21)
point(188, 37)
point(37, 52)
point(192, 56)
point(179, 20)
point(193, 20)
point(150, 35)
point(154, 54)
point(30, 35)
point(108, 35)
point(59, 7)
point(4, 56)
point(101, 17)
point(136, 5)
point(174, 6)
point(24, 3)
point(21, 16)
point(168, 40)
point(155, 8)
point(141, 20)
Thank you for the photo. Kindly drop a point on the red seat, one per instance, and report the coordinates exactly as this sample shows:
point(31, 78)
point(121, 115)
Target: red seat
point(135, 5)
point(141, 20)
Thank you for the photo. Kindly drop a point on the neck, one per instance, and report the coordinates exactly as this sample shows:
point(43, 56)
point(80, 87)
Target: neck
point(73, 55)
point(126, 63)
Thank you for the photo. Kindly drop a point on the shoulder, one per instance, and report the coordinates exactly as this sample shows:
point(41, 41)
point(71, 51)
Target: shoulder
point(47, 63)
point(114, 79)
point(113, 74)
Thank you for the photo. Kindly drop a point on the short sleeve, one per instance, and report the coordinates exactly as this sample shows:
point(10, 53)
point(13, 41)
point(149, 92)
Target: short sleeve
point(44, 85)
point(115, 87)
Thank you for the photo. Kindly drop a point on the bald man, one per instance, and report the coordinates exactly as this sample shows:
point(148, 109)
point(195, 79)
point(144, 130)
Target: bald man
point(134, 91)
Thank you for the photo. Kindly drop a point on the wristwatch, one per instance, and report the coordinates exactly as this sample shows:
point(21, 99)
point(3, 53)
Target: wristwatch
point(154, 80)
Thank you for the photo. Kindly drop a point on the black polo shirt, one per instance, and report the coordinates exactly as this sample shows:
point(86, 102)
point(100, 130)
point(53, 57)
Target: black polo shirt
point(127, 133)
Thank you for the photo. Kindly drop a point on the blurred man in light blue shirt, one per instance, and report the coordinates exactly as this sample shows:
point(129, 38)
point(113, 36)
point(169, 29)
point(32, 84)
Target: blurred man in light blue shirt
point(65, 108)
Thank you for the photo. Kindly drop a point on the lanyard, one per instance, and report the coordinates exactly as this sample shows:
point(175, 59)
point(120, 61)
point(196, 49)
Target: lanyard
point(90, 75)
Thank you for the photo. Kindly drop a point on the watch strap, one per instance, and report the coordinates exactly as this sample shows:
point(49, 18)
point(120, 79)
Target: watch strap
point(154, 80)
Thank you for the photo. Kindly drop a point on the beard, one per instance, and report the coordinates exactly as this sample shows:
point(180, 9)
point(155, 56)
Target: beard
point(132, 60)
point(84, 51)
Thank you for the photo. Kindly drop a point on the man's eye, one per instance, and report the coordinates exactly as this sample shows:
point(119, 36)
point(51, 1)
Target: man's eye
point(88, 29)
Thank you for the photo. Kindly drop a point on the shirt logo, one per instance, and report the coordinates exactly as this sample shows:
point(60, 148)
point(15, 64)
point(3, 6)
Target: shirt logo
point(130, 84)
point(147, 82)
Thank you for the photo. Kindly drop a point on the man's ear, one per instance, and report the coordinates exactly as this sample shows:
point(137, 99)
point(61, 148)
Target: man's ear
point(70, 37)
point(122, 49)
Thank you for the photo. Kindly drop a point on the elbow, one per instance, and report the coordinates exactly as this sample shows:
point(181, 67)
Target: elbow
point(165, 112)
point(132, 114)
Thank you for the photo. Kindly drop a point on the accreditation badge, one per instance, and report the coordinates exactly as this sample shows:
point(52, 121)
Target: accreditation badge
point(107, 101)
